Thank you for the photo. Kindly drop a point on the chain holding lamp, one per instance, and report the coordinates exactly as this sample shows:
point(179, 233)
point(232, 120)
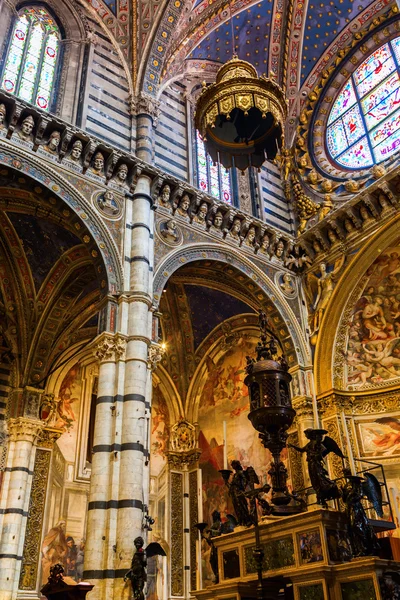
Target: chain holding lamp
point(241, 116)
point(271, 412)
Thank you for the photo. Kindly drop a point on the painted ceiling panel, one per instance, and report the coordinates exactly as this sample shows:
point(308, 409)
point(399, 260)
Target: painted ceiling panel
point(112, 4)
point(43, 242)
point(209, 308)
point(324, 21)
point(251, 38)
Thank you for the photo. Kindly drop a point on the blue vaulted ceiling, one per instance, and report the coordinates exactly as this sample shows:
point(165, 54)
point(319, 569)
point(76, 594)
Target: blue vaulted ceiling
point(251, 29)
point(324, 21)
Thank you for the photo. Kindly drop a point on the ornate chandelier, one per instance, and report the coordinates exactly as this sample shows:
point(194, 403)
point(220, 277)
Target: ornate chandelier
point(241, 116)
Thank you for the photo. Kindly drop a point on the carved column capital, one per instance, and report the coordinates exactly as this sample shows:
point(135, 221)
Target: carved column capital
point(155, 354)
point(303, 406)
point(143, 104)
point(48, 437)
point(109, 347)
point(24, 430)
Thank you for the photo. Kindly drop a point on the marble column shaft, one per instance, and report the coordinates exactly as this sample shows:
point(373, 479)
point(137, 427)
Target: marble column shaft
point(137, 389)
point(15, 501)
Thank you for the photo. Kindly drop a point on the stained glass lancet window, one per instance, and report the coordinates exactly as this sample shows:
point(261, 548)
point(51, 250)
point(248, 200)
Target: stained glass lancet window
point(213, 179)
point(32, 56)
point(364, 122)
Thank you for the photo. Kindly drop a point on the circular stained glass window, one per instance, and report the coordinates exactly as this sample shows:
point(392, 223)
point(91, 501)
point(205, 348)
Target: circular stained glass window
point(364, 123)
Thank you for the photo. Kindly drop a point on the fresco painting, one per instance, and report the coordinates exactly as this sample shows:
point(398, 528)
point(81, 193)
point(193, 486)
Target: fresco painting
point(60, 547)
point(380, 437)
point(68, 412)
point(159, 431)
point(373, 346)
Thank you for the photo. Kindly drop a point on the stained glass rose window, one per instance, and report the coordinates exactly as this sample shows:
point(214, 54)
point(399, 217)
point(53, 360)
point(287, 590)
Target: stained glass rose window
point(363, 126)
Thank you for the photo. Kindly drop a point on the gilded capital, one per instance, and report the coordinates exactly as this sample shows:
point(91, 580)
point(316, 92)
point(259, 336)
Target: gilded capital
point(24, 430)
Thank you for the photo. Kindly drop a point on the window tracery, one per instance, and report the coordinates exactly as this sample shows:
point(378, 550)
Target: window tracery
point(363, 126)
point(32, 57)
point(212, 178)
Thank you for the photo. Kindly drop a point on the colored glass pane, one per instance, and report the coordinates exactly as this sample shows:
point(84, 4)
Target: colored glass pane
point(344, 101)
point(14, 57)
point(364, 122)
point(372, 64)
point(211, 178)
point(32, 57)
point(381, 72)
point(388, 147)
point(336, 138)
point(357, 157)
point(382, 101)
point(396, 47)
point(226, 195)
point(385, 129)
point(353, 125)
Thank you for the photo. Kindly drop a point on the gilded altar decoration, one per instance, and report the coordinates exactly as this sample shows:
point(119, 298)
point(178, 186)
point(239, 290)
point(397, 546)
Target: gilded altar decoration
point(30, 560)
point(241, 116)
point(177, 534)
point(183, 448)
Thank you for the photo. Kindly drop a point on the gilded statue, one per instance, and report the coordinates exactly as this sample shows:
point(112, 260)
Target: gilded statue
point(319, 291)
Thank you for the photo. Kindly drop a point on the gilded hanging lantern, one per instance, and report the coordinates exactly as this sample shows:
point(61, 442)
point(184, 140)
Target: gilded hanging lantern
point(241, 116)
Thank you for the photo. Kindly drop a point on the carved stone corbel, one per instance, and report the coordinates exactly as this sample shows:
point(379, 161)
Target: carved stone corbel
point(183, 450)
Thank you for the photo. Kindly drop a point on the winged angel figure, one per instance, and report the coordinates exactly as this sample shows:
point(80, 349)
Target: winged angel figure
point(319, 291)
point(137, 573)
point(362, 536)
point(316, 449)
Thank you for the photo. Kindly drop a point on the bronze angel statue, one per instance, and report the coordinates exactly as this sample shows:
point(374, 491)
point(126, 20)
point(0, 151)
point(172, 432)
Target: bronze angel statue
point(316, 450)
point(362, 536)
point(137, 574)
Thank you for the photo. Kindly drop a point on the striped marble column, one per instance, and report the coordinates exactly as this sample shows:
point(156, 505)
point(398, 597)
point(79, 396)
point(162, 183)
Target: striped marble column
point(23, 434)
point(146, 109)
point(137, 391)
point(100, 538)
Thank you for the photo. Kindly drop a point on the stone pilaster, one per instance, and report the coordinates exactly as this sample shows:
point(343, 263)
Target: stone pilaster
point(146, 110)
point(14, 502)
point(183, 456)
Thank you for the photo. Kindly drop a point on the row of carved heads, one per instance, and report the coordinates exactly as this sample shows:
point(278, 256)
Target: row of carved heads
point(100, 161)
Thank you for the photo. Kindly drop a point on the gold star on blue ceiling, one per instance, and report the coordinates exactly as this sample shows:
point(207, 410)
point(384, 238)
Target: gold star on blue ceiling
point(251, 38)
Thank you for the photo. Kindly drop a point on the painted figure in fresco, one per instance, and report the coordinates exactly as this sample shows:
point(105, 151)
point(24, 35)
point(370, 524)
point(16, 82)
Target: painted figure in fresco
point(386, 442)
point(362, 537)
point(316, 449)
point(54, 549)
point(80, 554)
point(207, 535)
point(70, 557)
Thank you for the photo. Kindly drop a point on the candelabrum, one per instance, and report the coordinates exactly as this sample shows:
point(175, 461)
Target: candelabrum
point(271, 412)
